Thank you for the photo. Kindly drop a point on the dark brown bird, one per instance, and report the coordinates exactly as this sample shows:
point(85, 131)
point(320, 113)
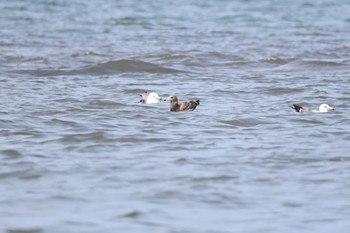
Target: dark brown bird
point(175, 106)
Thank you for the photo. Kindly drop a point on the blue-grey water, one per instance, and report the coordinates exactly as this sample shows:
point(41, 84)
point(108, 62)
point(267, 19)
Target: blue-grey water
point(79, 153)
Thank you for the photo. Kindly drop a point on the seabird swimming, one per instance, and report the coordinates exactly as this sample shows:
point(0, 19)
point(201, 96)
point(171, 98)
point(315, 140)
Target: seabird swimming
point(323, 108)
point(175, 106)
point(150, 98)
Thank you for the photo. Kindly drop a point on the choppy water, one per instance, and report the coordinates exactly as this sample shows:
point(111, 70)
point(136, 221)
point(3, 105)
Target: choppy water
point(78, 153)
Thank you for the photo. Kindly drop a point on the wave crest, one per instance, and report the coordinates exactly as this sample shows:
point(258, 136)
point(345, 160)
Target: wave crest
point(129, 66)
point(106, 68)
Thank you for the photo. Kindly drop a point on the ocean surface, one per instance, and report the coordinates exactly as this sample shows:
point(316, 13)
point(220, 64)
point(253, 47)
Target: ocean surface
point(79, 153)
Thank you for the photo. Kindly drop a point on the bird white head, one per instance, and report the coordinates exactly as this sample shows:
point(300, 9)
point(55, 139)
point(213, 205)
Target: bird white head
point(153, 98)
point(326, 108)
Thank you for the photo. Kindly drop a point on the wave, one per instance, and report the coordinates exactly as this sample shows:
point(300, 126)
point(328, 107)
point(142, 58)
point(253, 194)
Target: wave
point(11, 153)
point(129, 66)
point(246, 122)
point(106, 68)
point(320, 63)
point(274, 60)
point(311, 65)
point(283, 90)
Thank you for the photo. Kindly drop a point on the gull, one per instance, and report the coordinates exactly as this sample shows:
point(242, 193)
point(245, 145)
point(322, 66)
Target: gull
point(150, 98)
point(323, 108)
point(175, 106)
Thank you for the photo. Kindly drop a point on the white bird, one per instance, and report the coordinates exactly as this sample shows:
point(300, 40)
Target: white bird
point(150, 98)
point(323, 108)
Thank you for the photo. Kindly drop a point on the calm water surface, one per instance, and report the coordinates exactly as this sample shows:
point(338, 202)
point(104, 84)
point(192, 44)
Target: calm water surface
point(78, 153)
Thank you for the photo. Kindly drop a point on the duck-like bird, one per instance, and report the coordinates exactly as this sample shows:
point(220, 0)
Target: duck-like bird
point(175, 106)
point(150, 98)
point(323, 108)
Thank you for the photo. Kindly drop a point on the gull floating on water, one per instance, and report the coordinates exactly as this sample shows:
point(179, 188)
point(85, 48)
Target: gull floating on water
point(175, 106)
point(323, 108)
point(150, 98)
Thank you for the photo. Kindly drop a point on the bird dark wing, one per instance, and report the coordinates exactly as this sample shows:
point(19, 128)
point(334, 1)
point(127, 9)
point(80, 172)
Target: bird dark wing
point(189, 106)
point(297, 108)
point(143, 97)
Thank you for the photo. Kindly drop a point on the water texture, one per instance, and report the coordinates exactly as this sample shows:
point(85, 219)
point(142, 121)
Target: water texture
point(79, 153)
